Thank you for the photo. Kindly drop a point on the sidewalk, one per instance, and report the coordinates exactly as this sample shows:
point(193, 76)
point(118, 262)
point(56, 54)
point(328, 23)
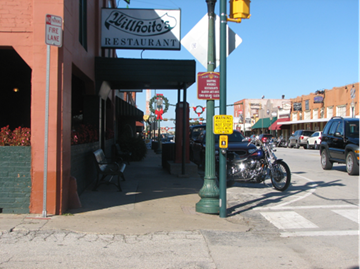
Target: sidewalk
point(152, 200)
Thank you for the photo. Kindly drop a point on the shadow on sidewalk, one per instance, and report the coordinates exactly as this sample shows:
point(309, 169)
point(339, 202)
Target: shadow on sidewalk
point(144, 180)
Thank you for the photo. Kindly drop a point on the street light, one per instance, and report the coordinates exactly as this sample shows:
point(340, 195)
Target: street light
point(159, 148)
point(209, 192)
point(152, 125)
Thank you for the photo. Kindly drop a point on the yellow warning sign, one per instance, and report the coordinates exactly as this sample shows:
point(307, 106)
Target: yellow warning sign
point(223, 124)
point(223, 141)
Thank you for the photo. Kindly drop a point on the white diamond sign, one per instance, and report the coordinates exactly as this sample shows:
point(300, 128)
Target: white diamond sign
point(196, 41)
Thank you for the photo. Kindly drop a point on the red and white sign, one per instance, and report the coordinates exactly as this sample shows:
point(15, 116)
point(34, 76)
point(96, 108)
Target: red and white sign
point(53, 30)
point(208, 85)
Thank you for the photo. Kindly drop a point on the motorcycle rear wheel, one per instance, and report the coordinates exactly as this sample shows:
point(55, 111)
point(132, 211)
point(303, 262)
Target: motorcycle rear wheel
point(281, 177)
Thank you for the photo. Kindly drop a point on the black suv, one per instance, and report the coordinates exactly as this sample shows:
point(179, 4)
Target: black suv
point(340, 143)
point(195, 130)
point(235, 144)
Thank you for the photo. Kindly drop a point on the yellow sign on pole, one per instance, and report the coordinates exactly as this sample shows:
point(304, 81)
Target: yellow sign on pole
point(223, 124)
point(223, 141)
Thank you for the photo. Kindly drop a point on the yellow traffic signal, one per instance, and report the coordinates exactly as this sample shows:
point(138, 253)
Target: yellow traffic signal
point(239, 9)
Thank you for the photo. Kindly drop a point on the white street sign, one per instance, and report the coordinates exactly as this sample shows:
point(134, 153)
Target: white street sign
point(53, 30)
point(196, 41)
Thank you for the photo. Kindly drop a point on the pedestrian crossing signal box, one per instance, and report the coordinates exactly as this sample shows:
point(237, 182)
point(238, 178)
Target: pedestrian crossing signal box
point(223, 141)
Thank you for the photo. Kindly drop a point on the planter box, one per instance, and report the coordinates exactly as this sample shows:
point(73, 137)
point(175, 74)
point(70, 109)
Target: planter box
point(82, 163)
point(15, 179)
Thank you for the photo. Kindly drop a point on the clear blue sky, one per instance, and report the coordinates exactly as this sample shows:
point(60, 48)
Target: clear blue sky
point(290, 47)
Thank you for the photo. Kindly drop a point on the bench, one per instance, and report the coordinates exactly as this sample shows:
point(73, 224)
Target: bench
point(119, 155)
point(106, 168)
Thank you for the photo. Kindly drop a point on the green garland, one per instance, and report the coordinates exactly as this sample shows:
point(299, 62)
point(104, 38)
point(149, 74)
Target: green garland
point(152, 100)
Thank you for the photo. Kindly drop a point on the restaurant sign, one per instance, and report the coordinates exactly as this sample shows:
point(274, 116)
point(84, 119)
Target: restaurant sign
point(155, 29)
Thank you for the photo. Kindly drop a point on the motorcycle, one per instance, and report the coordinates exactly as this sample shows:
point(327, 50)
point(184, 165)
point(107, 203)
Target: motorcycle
point(280, 142)
point(259, 166)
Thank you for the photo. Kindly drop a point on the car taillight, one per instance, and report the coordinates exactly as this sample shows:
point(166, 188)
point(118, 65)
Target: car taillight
point(301, 137)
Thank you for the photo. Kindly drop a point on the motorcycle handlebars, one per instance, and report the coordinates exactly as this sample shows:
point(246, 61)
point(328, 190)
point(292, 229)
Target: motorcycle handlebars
point(256, 139)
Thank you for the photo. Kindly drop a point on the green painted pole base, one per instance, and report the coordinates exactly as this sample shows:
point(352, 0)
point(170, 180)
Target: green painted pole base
point(208, 206)
point(209, 194)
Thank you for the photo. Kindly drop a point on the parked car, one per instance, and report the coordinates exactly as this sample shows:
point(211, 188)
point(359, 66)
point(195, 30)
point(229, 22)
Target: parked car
point(314, 140)
point(340, 143)
point(168, 138)
point(235, 144)
point(195, 130)
point(299, 138)
point(267, 137)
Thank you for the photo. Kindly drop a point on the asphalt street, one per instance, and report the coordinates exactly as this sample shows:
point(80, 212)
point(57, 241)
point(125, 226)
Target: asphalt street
point(153, 224)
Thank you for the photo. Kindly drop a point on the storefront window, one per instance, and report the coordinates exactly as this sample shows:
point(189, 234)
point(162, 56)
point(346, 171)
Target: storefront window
point(341, 111)
point(329, 112)
point(315, 113)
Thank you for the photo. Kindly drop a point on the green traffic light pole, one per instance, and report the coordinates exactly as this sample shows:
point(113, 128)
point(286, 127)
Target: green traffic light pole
point(222, 153)
point(209, 192)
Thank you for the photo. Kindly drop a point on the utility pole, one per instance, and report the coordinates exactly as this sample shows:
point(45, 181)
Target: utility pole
point(239, 9)
point(222, 153)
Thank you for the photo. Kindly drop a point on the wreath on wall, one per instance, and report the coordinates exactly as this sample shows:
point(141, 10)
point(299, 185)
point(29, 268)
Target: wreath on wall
point(161, 101)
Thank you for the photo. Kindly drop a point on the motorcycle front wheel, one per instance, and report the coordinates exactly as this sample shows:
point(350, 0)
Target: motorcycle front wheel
point(281, 176)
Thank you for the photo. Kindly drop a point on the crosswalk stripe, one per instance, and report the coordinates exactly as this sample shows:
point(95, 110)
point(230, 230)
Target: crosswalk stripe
point(351, 214)
point(320, 233)
point(288, 220)
point(303, 207)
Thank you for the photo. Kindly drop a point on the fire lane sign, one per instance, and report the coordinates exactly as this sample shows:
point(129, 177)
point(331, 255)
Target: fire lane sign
point(208, 85)
point(53, 30)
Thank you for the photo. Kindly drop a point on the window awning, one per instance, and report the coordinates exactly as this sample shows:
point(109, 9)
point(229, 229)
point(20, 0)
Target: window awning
point(124, 109)
point(277, 124)
point(126, 73)
point(263, 123)
point(305, 121)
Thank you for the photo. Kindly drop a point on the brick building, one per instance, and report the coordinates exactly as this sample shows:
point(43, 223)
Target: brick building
point(312, 111)
point(285, 116)
point(73, 99)
point(89, 86)
point(258, 115)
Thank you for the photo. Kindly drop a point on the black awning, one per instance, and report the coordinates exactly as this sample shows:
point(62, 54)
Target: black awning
point(124, 109)
point(125, 73)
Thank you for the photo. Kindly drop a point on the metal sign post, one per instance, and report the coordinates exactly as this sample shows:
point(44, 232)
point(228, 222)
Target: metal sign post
point(53, 37)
